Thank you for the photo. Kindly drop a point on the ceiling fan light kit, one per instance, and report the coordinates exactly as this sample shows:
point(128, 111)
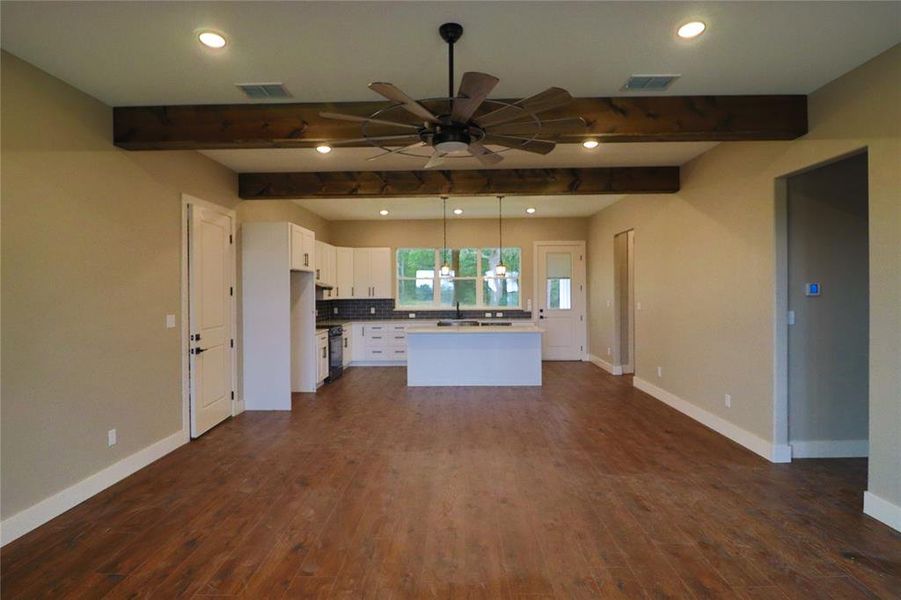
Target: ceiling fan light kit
point(465, 125)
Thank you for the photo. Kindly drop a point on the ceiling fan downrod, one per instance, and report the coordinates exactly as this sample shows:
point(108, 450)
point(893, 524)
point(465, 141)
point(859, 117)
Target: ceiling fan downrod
point(450, 33)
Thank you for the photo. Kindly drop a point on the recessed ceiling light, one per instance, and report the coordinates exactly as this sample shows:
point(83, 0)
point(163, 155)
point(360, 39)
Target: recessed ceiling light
point(458, 211)
point(211, 39)
point(692, 29)
point(530, 210)
point(323, 149)
point(384, 212)
point(590, 144)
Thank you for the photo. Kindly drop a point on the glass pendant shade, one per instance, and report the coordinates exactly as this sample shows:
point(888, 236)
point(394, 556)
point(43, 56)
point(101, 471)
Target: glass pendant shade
point(500, 270)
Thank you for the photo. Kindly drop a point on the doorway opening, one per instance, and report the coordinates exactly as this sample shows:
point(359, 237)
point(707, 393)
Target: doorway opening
point(209, 354)
point(624, 302)
point(824, 273)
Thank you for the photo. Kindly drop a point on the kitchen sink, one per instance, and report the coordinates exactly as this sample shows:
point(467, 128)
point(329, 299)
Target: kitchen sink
point(458, 323)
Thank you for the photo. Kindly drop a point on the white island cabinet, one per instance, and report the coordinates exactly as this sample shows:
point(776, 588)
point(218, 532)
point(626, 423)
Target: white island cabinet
point(474, 356)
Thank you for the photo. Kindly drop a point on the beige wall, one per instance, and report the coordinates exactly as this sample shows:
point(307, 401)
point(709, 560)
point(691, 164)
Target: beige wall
point(284, 210)
point(90, 268)
point(705, 264)
point(462, 233)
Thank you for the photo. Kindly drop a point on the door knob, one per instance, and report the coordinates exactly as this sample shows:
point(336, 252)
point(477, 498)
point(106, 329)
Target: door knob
point(199, 350)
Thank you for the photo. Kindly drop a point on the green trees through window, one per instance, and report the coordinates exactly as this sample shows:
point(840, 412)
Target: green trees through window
point(472, 280)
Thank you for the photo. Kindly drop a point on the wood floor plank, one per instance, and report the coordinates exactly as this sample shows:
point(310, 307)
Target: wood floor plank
point(583, 488)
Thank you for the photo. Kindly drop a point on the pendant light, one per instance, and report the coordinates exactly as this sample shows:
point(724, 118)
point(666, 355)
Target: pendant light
point(445, 268)
point(501, 269)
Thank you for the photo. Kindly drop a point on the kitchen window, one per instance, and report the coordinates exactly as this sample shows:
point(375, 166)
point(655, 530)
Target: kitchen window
point(472, 280)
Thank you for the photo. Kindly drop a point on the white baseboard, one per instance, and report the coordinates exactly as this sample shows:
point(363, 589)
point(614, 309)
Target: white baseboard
point(768, 450)
point(36, 515)
point(597, 360)
point(830, 449)
point(882, 510)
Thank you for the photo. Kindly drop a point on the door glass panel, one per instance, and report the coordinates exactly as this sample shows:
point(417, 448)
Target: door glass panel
point(559, 280)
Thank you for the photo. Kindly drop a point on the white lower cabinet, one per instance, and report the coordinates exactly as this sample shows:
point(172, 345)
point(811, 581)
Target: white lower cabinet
point(381, 341)
point(322, 355)
point(347, 341)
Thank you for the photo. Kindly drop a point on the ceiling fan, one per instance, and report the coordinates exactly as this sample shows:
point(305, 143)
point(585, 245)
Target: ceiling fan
point(465, 125)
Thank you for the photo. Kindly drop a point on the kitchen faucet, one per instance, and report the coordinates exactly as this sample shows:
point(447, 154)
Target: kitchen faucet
point(459, 314)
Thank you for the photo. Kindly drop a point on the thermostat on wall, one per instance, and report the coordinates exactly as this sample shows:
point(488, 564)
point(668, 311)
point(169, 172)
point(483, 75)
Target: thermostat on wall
point(812, 289)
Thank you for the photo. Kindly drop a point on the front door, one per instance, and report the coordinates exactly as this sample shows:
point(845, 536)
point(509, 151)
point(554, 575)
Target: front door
point(210, 289)
point(561, 300)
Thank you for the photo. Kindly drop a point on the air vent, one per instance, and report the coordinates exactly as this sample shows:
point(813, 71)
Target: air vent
point(649, 83)
point(264, 91)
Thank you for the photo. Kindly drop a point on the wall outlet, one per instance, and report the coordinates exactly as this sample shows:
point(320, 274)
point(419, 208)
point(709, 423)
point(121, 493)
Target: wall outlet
point(659, 371)
point(412, 315)
point(371, 310)
point(111, 438)
point(529, 305)
point(609, 351)
point(170, 321)
point(728, 400)
point(335, 310)
point(498, 314)
point(488, 315)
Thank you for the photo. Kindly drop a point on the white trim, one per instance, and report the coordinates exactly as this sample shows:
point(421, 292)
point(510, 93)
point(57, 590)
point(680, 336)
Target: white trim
point(882, 510)
point(771, 452)
point(377, 363)
point(830, 449)
point(238, 402)
point(583, 268)
point(600, 362)
point(36, 515)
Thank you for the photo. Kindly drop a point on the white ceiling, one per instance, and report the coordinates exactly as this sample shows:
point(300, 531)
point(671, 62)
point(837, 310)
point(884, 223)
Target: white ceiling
point(658, 154)
point(143, 52)
point(146, 53)
point(474, 207)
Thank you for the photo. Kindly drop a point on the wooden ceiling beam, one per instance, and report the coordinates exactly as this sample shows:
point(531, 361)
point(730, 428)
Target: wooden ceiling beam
point(367, 184)
point(617, 119)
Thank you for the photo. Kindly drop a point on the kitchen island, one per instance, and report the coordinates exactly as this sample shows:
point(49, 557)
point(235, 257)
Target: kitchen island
point(491, 355)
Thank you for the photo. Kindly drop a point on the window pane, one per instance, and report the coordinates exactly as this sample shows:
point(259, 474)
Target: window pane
point(500, 291)
point(462, 262)
point(559, 293)
point(559, 264)
point(491, 257)
point(413, 262)
point(462, 290)
point(413, 292)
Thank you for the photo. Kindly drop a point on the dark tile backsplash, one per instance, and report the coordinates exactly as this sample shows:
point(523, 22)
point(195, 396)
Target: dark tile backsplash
point(359, 310)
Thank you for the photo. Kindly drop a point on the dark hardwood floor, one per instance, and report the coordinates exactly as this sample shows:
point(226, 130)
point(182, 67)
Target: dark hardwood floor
point(585, 488)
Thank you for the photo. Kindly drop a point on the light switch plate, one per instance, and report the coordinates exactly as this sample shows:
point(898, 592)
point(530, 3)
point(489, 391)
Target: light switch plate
point(170, 321)
point(111, 437)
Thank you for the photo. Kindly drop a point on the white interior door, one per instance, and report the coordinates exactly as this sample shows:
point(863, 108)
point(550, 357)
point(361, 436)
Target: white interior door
point(210, 318)
point(560, 295)
point(624, 300)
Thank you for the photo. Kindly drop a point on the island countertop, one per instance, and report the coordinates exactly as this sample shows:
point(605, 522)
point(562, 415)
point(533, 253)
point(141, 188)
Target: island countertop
point(472, 330)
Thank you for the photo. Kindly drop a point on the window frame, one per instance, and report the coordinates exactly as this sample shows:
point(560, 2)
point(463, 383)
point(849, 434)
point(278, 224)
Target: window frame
point(479, 279)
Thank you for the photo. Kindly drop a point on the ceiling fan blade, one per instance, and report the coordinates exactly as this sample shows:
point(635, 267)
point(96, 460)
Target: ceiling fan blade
point(566, 125)
point(518, 143)
point(396, 140)
point(484, 155)
point(474, 88)
point(437, 159)
point(412, 106)
point(550, 98)
point(402, 149)
point(356, 119)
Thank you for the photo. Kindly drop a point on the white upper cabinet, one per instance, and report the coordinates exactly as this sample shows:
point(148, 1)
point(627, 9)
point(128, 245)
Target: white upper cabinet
point(372, 273)
point(380, 272)
point(344, 273)
point(303, 251)
point(326, 266)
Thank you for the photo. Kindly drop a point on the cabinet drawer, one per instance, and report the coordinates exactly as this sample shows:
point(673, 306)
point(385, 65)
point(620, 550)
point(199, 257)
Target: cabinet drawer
point(397, 353)
point(378, 340)
point(397, 339)
point(377, 329)
point(378, 354)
